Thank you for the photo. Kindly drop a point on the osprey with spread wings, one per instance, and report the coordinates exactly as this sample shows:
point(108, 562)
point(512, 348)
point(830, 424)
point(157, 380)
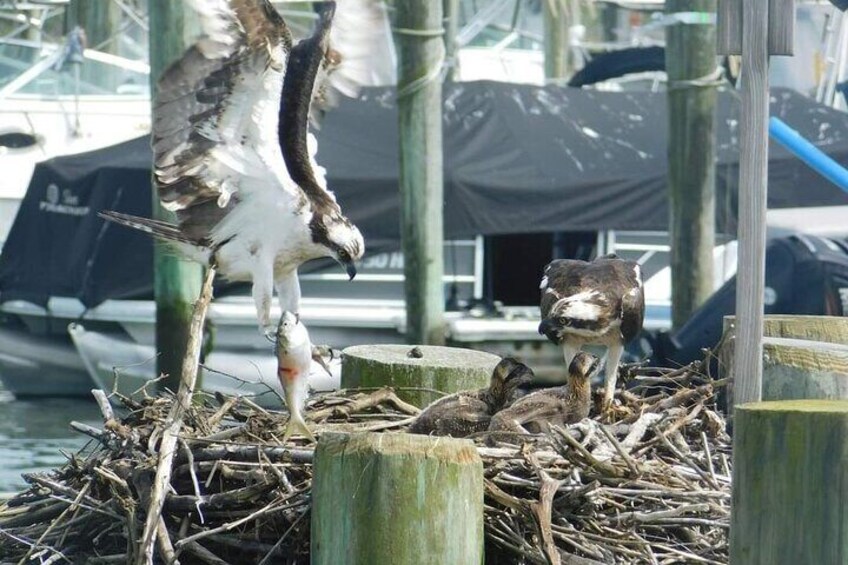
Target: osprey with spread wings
point(233, 155)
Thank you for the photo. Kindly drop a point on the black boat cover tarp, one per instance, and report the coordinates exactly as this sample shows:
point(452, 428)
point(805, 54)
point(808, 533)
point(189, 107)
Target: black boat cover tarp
point(517, 159)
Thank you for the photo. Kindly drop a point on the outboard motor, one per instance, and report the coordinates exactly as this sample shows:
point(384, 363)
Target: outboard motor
point(804, 275)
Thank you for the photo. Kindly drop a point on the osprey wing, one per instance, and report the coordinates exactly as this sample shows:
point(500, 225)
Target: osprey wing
point(337, 59)
point(215, 112)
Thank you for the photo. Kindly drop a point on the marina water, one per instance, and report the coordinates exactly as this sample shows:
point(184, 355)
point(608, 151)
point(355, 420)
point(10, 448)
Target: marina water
point(33, 433)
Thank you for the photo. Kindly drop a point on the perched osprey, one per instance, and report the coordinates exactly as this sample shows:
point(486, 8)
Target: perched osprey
point(600, 302)
point(233, 155)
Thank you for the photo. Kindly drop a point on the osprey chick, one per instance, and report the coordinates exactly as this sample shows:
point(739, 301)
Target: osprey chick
point(233, 155)
point(469, 411)
point(539, 410)
point(599, 302)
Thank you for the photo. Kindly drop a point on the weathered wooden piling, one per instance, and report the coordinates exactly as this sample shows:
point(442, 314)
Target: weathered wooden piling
point(789, 487)
point(396, 498)
point(692, 91)
point(803, 356)
point(417, 372)
point(421, 56)
point(797, 369)
point(176, 281)
point(830, 329)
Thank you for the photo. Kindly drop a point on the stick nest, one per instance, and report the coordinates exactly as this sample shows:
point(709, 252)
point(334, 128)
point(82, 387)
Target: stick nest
point(652, 486)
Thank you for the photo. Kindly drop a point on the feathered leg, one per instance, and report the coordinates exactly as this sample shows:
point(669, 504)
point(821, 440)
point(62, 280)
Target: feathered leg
point(263, 284)
point(569, 350)
point(611, 372)
point(288, 291)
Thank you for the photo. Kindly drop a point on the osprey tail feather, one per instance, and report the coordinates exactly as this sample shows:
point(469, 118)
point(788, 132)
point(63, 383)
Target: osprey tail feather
point(157, 228)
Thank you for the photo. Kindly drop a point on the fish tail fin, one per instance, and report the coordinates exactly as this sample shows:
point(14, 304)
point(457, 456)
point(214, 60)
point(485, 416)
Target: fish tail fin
point(296, 425)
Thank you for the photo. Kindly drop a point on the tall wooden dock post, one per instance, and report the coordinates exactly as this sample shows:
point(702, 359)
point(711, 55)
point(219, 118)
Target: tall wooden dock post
point(555, 21)
point(755, 29)
point(690, 63)
point(396, 498)
point(421, 56)
point(451, 8)
point(790, 460)
point(176, 281)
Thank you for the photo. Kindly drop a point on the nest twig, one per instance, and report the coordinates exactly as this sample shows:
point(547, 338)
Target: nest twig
point(652, 486)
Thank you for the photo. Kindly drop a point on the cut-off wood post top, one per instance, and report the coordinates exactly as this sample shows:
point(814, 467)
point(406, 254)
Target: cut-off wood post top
point(420, 374)
point(396, 498)
point(790, 460)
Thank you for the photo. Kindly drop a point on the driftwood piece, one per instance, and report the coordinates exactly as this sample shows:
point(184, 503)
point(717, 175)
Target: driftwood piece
point(168, 445)
point(652, 486)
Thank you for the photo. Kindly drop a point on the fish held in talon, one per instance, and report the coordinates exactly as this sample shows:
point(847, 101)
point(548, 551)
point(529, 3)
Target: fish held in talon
point(294, 360)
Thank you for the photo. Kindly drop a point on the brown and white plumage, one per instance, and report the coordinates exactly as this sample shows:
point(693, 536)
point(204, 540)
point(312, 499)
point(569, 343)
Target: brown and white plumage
point(599, 302)
point(539, 410)
point(470, 411)
point(233, 156)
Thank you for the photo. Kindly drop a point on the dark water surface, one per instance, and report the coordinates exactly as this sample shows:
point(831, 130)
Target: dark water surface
point(32, 432)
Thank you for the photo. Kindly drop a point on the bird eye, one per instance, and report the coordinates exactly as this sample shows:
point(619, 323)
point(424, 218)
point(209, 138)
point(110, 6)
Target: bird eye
point(344, 255)
point(562, 320)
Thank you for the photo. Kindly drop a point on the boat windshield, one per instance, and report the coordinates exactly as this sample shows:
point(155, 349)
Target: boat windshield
point(42, 71)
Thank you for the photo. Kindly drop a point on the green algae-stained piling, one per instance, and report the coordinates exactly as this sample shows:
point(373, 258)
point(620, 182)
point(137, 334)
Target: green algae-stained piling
point(445, 369)
point(790, 463)
point(396, 498)
point(176, 281)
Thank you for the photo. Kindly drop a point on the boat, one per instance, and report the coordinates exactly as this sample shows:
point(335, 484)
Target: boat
point(525, 181)
point(120, 364)
point(48, 107)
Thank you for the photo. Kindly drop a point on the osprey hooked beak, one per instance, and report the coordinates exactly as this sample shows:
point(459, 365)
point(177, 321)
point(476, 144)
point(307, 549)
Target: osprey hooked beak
point(350, 267)
point(549, 329)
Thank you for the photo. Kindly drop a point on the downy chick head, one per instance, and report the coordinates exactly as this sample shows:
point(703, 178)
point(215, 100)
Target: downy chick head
point(583, 366)
point(508, 375)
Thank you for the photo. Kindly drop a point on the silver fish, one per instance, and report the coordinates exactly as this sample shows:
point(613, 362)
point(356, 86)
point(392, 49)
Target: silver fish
point(294, 359)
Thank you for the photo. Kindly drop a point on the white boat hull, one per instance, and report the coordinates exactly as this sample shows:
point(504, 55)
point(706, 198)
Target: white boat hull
point(116, 363)
point(32, 365)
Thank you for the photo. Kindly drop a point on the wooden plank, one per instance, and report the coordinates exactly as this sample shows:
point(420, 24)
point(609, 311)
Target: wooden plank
point(753, 176)
point(781, 30)
point(729, 27)
point(690, 54)
point(421, 52)
point(396, 498)
point(176, 282)
point(789, 487)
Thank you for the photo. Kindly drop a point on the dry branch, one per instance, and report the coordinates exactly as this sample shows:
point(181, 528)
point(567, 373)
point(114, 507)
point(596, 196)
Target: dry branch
point(651, 487)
